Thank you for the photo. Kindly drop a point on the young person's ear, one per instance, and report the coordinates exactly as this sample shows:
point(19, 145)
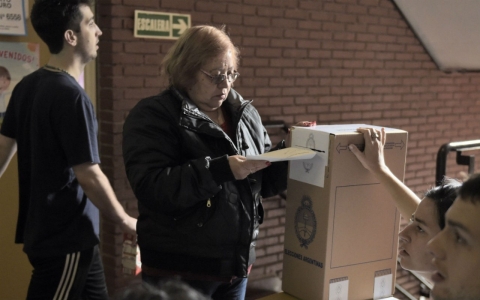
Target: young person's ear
point(70, 37)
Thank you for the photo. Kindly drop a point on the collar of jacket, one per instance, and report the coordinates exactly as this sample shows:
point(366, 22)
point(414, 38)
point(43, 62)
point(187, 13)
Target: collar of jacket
point(235, 103)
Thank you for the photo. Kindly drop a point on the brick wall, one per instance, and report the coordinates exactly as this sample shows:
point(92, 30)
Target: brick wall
point(344, 61)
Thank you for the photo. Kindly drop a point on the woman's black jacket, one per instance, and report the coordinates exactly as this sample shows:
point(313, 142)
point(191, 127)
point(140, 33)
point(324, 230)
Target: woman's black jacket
point(193, 218)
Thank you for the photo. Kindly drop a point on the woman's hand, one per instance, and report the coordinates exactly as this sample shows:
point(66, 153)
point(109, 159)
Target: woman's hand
point(372, 158)
point(241, 167)
point(288, 141)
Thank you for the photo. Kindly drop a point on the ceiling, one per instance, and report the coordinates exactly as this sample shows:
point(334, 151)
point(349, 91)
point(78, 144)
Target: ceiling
point(448, 29)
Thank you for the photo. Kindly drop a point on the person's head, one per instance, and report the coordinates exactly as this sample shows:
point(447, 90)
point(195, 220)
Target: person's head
point(168, 290)
point(456, 249)
point(427, 221)
point(66, 21)
point(5, 78)
point(200, 53)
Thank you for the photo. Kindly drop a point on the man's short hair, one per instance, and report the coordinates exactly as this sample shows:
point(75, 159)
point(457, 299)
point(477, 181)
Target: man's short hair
point(443, 197)
point(470, 190)
point(51, 18)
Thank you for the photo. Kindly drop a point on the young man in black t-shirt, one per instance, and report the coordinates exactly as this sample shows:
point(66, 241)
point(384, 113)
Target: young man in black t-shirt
point(51, 121)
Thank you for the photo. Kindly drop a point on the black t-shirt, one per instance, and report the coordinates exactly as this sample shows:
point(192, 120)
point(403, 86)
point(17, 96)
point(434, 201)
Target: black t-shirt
point(53, 121)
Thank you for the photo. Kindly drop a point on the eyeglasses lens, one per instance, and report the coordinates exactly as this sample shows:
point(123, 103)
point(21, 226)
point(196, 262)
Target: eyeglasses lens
point(220, 78)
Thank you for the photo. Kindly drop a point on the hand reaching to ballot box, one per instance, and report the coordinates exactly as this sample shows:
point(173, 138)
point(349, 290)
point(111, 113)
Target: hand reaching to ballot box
point(372, 158)
point(288, 140)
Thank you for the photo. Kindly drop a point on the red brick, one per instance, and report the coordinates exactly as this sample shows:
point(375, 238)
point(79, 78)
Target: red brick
point(310, 5)
point(268, 52)
point(255, 62)
point(298, 53)
point(217, 7)
point(257, 2)
point(282, 82)
point(241, 9)
point(369, 2)
point(270, 32)
point(294, 72)
point(306, 82)
point(327, 26)
point(334, 7)
point(229, 19)
point(309, 25)
point(365, 19)
point(309, 44)
point(141, 47)
point(126, 82)
point(270, 11)
point(181, 5)
point(253, 81)
point(343, 54)
point(320, 91)
point(276, 230)
point(293, 110)
point(282, 62)
point(293, 91)
point(319, 54)
point(353, 64)
point(322, 16)
point(295, 33)
point(267, 91)
point(256, 21)
point(283, 43)
point(331, 63)
point(307, 63)
point(252, 41)
point(378, 11)
point(141, 3)
point(296, 14)
point(345, 18)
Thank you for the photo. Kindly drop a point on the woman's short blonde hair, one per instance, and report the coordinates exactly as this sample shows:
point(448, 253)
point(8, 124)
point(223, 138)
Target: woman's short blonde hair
point(195, 47)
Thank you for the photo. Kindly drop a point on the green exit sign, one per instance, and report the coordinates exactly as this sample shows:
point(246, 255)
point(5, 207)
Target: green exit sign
point(158, 25)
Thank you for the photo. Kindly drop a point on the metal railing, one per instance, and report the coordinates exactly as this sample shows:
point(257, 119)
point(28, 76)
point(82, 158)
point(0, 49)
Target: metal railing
point(459, 147)
point(276, 124)
point(404, 292)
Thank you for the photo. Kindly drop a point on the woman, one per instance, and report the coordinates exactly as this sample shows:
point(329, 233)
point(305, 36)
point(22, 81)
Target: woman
point(427, 216)
point(200, 200)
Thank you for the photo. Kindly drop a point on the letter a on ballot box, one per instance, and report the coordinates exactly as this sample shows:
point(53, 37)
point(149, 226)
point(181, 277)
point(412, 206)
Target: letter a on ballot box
point(341, 227)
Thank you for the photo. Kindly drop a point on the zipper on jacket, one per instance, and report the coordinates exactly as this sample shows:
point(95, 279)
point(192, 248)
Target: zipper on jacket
point(209, 203)
point(240, 114)
point(206, 118)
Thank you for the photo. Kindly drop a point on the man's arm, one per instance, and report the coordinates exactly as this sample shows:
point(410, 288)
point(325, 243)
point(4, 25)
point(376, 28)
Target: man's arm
point(8, 147)
point(98, 189)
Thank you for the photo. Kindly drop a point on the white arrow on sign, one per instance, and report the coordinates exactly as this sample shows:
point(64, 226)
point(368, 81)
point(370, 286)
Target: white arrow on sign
point(182, 26)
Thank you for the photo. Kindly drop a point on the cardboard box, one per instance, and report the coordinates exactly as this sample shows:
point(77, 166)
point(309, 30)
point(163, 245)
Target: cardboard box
point(341, 226)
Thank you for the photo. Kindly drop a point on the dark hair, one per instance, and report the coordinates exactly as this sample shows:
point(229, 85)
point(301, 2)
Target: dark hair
point(443, 197)
point(470, 190)
point(4, 73)
point(194, 48)
point(51, 18)
point(168, 290)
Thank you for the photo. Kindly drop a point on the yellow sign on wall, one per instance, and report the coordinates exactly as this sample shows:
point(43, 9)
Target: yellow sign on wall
point(159, 25)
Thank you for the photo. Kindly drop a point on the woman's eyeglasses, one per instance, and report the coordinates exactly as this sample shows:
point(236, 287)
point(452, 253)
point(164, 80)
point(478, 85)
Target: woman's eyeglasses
point(221, 77)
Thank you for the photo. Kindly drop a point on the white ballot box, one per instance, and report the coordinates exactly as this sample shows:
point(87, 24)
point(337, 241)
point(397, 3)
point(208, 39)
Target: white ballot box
point(341, 227)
